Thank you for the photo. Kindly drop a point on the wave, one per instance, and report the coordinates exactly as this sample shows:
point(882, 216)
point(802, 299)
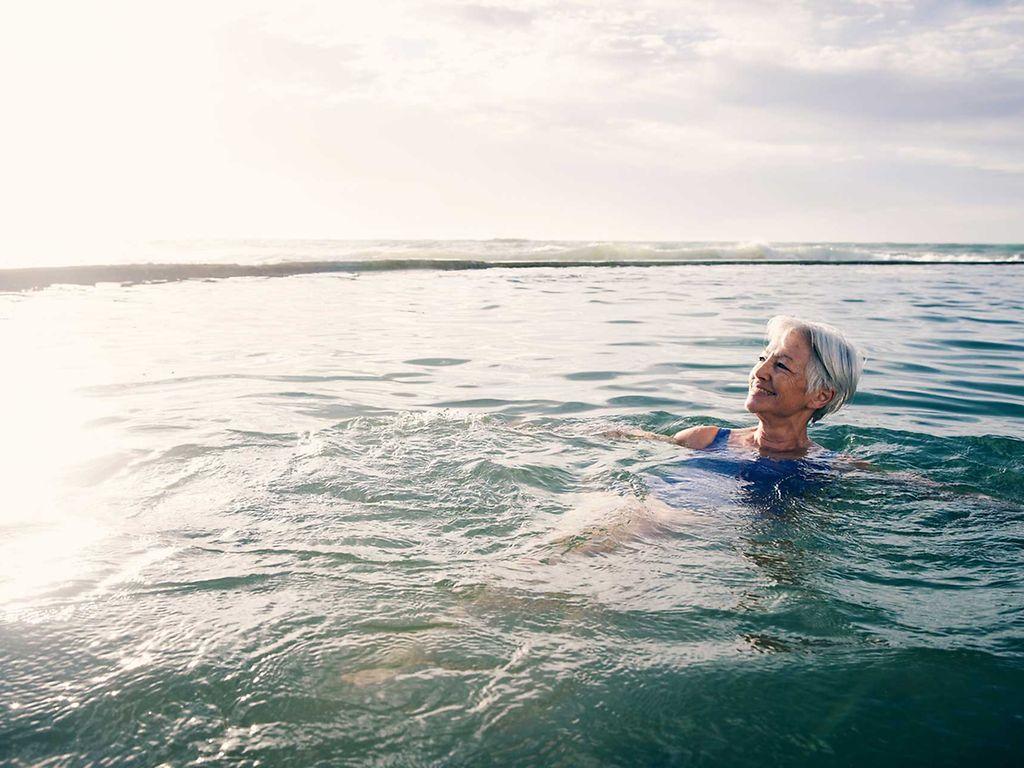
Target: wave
point(225, 259)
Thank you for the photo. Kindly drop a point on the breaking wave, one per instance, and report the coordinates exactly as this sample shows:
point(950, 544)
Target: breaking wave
point(169, 261)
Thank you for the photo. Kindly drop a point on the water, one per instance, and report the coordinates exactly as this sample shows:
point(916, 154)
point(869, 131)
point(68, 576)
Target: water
point(370, 517)
point(172, 260)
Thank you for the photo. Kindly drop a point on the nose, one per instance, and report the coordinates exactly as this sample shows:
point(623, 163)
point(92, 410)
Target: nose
point(762, 369)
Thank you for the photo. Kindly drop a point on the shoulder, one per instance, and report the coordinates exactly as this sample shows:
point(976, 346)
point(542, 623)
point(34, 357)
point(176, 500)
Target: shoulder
point(696, 437)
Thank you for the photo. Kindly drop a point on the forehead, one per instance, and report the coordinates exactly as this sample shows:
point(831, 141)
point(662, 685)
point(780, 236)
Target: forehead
point(792, 344)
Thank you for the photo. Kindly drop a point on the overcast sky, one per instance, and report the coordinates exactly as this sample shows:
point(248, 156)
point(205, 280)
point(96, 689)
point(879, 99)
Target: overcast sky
point(627, 120)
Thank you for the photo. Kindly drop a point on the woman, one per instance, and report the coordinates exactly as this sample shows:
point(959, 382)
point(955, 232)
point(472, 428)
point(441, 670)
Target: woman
point(807, 371)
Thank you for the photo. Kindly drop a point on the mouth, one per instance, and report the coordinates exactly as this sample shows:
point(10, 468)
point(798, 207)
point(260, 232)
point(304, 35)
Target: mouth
point(757, 388)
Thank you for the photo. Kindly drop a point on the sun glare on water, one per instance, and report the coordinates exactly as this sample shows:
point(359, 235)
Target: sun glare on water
point(48, 527)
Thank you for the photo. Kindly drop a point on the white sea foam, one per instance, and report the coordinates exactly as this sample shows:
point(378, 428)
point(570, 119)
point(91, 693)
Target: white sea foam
point(175, 260)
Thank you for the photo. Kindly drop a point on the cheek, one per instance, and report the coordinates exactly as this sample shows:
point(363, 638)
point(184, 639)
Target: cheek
point(791, 390)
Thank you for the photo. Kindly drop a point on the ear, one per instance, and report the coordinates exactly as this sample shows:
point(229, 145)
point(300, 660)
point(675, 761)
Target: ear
point(821, 398)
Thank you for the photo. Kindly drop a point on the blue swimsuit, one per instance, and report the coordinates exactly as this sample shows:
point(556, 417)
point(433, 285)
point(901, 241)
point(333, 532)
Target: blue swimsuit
point(699, 479)
point(720, 439)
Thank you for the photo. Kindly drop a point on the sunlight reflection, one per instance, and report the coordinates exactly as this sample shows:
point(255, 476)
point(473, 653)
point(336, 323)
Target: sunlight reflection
point(38, 560)
point(47, 526)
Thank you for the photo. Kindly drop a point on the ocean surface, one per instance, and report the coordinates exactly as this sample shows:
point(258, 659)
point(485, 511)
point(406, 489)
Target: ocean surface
point(324, 504)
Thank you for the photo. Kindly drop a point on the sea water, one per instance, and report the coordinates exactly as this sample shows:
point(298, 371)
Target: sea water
point(376, 516)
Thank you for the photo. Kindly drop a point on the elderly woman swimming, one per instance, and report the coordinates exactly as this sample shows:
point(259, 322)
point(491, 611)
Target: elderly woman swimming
point(807, 371)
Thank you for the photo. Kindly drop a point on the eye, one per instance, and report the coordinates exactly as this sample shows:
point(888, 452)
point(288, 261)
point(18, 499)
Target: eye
point(761, 358)
point(783, 366)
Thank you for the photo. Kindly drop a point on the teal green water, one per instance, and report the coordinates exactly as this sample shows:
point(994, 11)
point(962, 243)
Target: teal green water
point(372, 518)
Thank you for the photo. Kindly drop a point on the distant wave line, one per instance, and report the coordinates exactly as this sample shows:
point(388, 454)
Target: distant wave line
point(25, 278)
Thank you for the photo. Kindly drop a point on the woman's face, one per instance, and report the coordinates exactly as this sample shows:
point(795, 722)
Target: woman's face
point(778, 384)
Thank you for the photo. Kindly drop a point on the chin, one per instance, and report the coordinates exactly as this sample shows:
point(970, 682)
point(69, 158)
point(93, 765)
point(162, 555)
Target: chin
point(756, 404)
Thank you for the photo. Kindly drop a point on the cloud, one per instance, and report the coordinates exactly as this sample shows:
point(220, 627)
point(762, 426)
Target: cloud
point(648, 112)
point(494, 15)
point(690, 89)
point(875, 94)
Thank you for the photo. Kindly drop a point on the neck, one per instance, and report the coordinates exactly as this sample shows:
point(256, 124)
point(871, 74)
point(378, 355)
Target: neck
point(782, 435)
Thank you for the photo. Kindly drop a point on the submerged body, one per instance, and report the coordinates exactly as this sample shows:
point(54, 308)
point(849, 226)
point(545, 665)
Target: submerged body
point(759, 480)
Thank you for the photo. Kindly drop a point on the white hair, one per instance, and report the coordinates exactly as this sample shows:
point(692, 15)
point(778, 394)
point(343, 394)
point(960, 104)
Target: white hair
point(835, 363)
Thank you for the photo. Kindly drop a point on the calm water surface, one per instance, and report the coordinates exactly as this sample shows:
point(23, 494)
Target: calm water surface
point(372, 519)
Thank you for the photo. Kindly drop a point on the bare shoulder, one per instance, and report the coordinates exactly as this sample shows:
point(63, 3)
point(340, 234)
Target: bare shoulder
point(696, 437)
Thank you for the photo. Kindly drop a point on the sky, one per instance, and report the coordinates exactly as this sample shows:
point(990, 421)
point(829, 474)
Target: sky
point(739, 121)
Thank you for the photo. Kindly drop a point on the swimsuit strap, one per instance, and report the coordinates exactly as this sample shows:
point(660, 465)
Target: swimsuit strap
point(720, 439)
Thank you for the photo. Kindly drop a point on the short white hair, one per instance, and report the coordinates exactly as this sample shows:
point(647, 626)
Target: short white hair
point(835, 363)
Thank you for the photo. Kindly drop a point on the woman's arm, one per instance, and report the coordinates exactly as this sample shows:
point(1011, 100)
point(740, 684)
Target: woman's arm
point(694, 437)
point(636, 434)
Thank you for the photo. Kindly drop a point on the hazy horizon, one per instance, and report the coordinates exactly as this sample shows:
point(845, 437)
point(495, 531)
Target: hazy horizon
point(185, 259)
